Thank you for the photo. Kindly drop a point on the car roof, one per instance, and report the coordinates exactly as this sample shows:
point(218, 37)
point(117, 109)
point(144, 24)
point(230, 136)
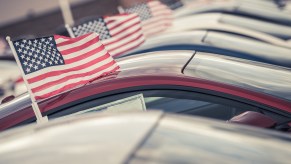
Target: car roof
point(103, 138)
point(231, 24)
point(256, 76)
point(175, 60)
point(268, 10)
point(219, 43)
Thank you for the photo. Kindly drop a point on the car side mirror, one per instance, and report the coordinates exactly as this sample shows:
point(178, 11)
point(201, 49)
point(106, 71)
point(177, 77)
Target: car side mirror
point(254, 119)
point(7, 99)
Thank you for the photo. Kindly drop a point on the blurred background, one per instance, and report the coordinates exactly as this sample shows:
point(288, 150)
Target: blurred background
point(37, 18)
point(42, 17)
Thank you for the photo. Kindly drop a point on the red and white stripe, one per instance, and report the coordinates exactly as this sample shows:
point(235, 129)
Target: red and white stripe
point(126, 33)
point(85, 59)
point(162, 18)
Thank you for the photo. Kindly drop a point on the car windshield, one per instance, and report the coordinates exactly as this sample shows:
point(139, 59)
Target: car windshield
point(273, 80)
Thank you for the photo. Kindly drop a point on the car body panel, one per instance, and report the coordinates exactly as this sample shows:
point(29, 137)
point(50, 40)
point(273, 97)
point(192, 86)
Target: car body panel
point(137, 71)
point(243, 73)
point(226, 28)
point(234, 24)
point(260, 10)
point(194, 143)
point(122, 145)
point(258, 50)
point(125, 138)
point(280, 31)
point(218, 43)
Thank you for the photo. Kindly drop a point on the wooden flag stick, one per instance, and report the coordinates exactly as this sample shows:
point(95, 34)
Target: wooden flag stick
point(70, 31)
point(120, 10)
point(66, 12)
point(36, 110)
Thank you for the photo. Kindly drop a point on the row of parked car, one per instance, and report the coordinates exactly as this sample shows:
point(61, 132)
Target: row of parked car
point(227, 60)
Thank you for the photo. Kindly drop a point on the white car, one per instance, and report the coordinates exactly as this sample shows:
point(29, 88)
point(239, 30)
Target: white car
point(265, 31)
point(148, 137)
point(260, 9)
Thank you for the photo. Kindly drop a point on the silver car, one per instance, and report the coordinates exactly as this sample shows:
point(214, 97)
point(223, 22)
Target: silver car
point(150, 137)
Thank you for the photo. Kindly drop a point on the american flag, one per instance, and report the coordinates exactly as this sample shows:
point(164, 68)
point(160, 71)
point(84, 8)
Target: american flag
point(119, 33)
point(156, 17)
point(56, 63)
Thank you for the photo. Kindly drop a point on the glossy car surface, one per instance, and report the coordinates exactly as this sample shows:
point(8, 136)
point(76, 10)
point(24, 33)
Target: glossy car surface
point(228, 22)
point(230, 29)
point(149, 137)
point(218, 43)
point(185, 82)
point(262, 10)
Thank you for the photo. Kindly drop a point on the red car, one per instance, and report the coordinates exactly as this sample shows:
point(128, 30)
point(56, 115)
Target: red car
point(186, 82)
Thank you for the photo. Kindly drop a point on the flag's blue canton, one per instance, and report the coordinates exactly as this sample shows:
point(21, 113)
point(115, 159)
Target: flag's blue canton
point(97, 25)
point(36, 54)
point(142, 10)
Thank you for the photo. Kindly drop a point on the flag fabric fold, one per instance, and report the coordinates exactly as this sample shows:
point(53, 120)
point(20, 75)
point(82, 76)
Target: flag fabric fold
point(155, 16)
point(119, 33)
point(55, 64)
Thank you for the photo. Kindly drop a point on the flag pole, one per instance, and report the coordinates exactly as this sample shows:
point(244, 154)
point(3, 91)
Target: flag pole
point(36, 110)
point(70, 31)
point(120, 10)
point(66, 11)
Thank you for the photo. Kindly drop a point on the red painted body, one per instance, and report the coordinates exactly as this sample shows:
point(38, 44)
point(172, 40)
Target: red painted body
point(120, 82)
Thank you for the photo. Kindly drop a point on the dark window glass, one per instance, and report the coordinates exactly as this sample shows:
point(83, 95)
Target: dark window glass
point(174, 101)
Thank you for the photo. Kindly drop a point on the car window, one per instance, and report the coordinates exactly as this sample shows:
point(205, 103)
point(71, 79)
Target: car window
point(173, 101)
point(193, 107)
